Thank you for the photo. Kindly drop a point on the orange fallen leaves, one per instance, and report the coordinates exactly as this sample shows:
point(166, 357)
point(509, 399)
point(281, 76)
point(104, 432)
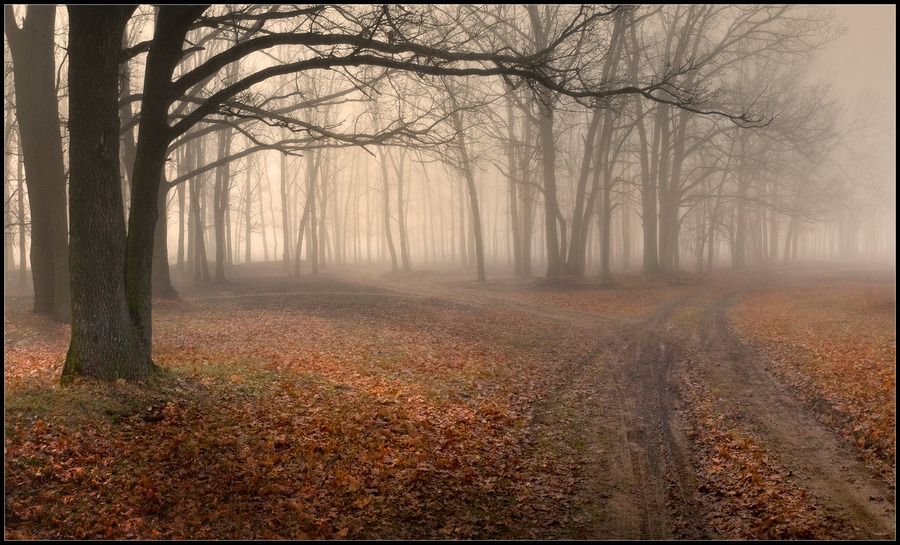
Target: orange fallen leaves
point(281, 419)
point(755, 496)
point(835, 340)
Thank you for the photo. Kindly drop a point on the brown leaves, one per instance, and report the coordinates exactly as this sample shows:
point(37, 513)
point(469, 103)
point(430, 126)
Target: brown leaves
point(755, 498)
point(834, 341)
point(401, 421)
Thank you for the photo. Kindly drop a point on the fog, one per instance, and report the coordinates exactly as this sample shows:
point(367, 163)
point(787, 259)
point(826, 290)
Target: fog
point(673, 138)
point(450, 271)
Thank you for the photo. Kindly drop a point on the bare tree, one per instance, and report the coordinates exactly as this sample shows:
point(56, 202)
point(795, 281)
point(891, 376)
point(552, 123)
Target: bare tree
point(33, 55)
point(415, 40)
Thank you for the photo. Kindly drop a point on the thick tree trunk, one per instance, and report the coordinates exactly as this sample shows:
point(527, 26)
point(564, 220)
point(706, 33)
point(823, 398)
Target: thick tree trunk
point(32, 50)
point(111, 326)
point(106, 342)
point(149, 168)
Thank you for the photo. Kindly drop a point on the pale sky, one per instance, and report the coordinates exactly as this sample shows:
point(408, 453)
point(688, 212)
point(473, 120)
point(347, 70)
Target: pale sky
point(864, 58)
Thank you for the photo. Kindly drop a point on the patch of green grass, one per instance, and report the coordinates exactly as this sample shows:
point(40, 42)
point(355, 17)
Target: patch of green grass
point(82, 403)
point(246, 376)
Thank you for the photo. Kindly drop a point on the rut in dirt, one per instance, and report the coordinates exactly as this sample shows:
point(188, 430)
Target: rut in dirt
point(823, 462)
point(641, 482)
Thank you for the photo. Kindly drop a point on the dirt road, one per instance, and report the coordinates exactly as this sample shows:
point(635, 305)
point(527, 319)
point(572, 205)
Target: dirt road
point(644, 474)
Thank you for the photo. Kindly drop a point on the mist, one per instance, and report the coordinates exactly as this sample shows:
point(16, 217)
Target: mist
point(390, 272)
point(809, 177)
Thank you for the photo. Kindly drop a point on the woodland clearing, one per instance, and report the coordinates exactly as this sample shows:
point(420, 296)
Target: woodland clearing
point(428, 406)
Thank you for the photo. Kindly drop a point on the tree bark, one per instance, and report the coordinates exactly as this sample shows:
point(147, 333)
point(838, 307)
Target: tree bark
point(111, 326)
point(106, 342)
point(33, 56)
point(153, 141)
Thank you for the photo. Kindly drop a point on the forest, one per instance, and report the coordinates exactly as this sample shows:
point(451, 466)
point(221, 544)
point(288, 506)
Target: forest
point(445, 272)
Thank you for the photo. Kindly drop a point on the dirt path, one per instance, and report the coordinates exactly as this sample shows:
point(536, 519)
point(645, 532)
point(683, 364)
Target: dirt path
point(821, 461)
point(639, 475)
point(639, 471)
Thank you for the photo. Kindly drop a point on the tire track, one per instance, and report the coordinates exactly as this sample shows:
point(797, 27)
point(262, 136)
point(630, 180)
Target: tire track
point(641, 475)
point(822, 461)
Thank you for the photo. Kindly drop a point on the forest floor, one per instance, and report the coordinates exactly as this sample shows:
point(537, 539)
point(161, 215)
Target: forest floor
point(425, 405)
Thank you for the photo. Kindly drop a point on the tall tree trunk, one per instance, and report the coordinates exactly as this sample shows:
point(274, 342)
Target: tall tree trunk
point(399, 164)
point(308, 212)
point(220, 203)
point(386, 189)
point(162, 280)
point(111, 326)
point(262, 221)
point(473, 197)
point(511, 152)
point(149, 168)
point(248, 208)
point(528, 205)
point(106, 343)
point(201, 262)
point(648, 164)
point(463, 252)
point(319, 228)
point(8, 263)
point(182, 204)
point(551, 207)
point(606, 226)
point(739, 248)
point(581, 214)
point(20, 166)
point(539, 27)
point(33, 55)
point(285, 214)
